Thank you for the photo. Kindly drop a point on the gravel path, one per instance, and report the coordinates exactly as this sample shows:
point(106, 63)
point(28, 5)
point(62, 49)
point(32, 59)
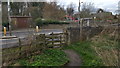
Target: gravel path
point(74, 58)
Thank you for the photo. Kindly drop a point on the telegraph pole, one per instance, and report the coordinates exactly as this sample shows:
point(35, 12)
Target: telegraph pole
point(80, 21)
point(9, 18)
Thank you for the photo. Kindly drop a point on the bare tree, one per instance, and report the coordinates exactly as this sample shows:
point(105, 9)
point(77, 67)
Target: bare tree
point(87, 8)
point(53, 11)
point(118, 10)
point(71, 9)
point(35, 9)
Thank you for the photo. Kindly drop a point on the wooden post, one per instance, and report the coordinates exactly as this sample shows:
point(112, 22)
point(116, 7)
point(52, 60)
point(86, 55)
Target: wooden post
point(20, 50)
point(81, 24)
point(66, 37)
point(88, 34)
point(69, 36)
point(44, 41)
point(19, 41)
point(79, 21)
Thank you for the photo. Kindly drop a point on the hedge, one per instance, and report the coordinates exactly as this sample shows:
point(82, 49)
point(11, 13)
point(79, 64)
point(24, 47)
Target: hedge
point(40, 22)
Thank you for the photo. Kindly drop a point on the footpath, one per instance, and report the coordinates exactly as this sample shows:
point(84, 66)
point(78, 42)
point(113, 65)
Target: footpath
point(74, 58)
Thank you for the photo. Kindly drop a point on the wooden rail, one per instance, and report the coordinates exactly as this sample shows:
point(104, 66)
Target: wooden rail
point(55, 39)
point(7, 37)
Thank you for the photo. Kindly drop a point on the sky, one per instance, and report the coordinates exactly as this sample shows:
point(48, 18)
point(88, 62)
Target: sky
point(108, 5)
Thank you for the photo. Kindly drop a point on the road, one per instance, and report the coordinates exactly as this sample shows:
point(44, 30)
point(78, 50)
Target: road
point(22, 34)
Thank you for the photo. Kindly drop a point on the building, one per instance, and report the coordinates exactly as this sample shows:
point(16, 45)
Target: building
point(19, 22)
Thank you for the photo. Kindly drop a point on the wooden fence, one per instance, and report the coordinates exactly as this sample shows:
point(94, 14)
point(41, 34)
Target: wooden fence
point(58, 39)
point(35, 46)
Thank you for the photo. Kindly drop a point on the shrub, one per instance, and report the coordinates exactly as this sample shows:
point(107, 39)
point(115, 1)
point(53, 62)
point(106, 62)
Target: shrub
point(38, 22)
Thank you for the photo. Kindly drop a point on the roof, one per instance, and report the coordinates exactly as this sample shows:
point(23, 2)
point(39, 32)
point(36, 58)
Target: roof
point(20, 17)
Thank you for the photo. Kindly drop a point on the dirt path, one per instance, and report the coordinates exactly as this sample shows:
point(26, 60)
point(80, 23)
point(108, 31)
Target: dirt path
point(74, 58)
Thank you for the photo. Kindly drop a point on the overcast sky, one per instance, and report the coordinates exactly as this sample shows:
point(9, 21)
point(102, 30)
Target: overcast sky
point(108, 5)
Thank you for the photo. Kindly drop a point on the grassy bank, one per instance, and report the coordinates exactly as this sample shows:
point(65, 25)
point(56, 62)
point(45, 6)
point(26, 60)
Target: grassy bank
point(86, 53)
point(100, 51)
point(50, 57)
point(107, 49)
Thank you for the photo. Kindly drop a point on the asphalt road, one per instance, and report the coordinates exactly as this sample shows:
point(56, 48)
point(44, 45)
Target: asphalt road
point(22, 34)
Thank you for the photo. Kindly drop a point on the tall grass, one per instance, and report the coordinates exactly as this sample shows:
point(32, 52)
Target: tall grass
point(106, 47)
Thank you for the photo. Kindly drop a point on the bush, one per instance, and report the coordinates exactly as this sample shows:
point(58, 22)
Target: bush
point(39, 22)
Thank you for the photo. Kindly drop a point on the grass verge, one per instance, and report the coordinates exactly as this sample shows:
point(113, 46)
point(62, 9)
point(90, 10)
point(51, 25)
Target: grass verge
point(86, 53)
point(50, 57)
point(107, 49)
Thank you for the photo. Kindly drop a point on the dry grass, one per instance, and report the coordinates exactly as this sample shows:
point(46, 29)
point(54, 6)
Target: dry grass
point(105, 46)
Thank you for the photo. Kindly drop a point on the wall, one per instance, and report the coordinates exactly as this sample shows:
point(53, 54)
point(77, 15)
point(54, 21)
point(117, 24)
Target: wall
point(88, 32)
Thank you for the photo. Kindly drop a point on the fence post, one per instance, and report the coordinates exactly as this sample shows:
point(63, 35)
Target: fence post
point(44, 41)
point(19, 41)
point(66, 37)
point(60, 39)
point(20, 51)
point(69, 37)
